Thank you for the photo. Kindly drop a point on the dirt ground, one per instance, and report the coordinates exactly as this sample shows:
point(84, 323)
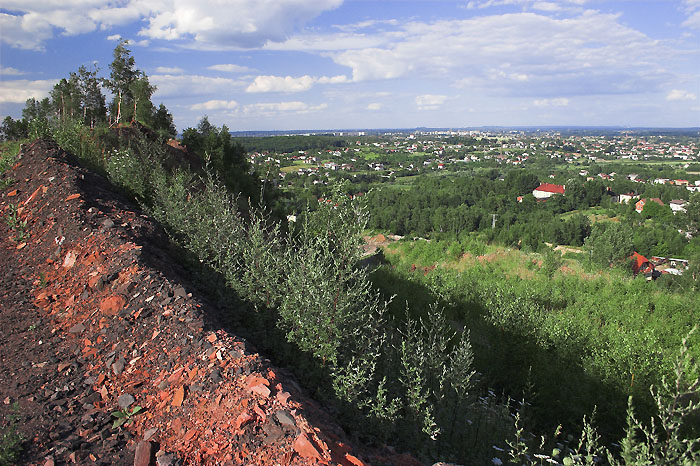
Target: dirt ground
point(98, 318)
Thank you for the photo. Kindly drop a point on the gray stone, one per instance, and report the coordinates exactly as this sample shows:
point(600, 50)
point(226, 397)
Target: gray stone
point(144, 454)
point(125, 400)
point(179, 292)
point(165, 460)
point(118, 367)
point(77, 328)
point(107, 224)
point(148, 435)
point(284, 418)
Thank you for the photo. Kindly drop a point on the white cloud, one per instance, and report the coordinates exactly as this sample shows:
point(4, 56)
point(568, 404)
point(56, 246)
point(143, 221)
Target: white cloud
point(375, 63)
point(557, 102)
point(546, 6)
point(679, 94)
point(271, 108)
point(333, 79)
point(374, 106)
point(235, 23)
point(430, 101)
point(169, 70)
point(132, 42)
point(19, 90)
point(281, 84)
point(215, 105)
point(199, 23)
point(291, 84)
point(170, 85)
point(24, 32)
point(310, 42)
point(518, 54)
point(692, 9)
point(9, 71)
point(536, 4)
point(230, 68)
point(370, 23)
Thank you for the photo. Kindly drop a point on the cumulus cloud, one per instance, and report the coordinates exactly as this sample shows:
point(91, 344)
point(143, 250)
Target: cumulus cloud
point(546, 6)
point(374, 63)
point(132, 42)
point(374, 106)
point(230, 68)
point(270, 108)
point(333, 79)
point(25, 32)
point(692, 9)
point(291, 84)
point(172, 85)
point(199, 23)
point(557, 102)
point(536, 4)
point(430, 101)
point(526, 54)
point(236, 23)
point(19, 90)
point(215, 105)
point(9, 71)
point(679, 94)
point(281, 84)
point(169, 70)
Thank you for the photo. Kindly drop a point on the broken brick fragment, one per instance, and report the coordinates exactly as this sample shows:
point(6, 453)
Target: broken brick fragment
point(351, 460)
point(305, 448)
point(70, 259)
point(243, 419)
point(179, 396)
point(112, 304)
point(144, 454)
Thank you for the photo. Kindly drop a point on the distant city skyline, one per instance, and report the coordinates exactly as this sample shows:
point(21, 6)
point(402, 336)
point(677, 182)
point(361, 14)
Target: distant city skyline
point(332, 64)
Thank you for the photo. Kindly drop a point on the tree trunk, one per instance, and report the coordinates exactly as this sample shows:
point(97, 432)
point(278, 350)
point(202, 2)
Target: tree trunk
point(119, 108)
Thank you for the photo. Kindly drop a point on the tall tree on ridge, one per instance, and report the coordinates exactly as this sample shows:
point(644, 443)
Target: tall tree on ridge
point(123, 73)
point(92, 99)
point(141, 92)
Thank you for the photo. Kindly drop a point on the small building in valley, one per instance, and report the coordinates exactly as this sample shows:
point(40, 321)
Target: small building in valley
point(639, 206)
point(547, 190)
point(677, 205)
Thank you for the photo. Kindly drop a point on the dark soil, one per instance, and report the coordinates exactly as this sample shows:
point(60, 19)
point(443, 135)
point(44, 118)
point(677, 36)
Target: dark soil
point(98, 318)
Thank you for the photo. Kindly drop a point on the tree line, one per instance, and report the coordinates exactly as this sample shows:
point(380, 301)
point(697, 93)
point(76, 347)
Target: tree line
point(80, 98)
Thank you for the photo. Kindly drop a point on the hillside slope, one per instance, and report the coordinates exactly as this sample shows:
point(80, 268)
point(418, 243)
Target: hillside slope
point(98, 318)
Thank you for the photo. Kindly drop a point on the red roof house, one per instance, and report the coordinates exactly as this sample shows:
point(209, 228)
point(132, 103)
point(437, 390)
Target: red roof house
point(639, 206)
point(547, 190)
point(641, 264)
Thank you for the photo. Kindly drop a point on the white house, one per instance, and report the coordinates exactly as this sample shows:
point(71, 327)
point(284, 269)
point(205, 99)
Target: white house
point(677, 206)
point(547, 190)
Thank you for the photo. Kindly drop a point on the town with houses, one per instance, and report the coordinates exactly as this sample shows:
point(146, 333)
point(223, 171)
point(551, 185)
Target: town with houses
point(394, 154)
point(626, 163)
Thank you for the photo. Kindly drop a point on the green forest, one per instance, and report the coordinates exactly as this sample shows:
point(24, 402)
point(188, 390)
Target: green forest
point(470, 340)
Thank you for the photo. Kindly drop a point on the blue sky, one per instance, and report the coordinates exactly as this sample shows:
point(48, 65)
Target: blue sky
point(325, 64)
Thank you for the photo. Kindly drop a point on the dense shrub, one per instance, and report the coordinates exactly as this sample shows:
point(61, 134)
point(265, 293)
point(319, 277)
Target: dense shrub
point(409, 380)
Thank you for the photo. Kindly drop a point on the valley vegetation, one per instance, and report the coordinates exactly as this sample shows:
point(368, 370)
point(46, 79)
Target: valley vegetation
point(480, 346)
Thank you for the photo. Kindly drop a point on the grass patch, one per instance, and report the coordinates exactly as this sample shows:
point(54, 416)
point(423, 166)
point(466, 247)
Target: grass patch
point(10, 439)
point(296, 166)
point(8, 157)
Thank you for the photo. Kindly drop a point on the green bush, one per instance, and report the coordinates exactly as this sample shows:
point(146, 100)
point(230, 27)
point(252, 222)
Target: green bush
point(407, 380)
point(10, 439)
